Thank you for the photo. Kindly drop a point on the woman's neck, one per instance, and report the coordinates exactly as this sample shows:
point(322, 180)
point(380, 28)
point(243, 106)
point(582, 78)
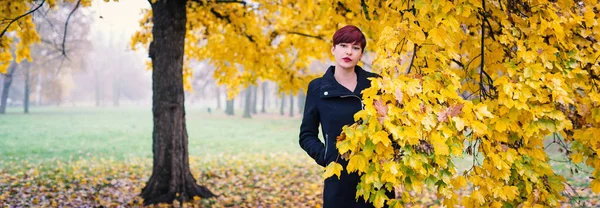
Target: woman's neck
point(343, 74)
point(346, 77)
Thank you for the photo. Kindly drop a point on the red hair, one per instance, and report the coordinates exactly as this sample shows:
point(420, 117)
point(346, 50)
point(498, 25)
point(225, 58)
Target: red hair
point(350, 34)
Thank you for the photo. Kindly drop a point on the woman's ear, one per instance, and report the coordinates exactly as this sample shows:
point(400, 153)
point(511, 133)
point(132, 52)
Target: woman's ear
point(332, 49)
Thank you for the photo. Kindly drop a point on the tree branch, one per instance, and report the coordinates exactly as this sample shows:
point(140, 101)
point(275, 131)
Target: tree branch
point(220, 16)
point(221, 1)
point(365, 9)
point(66, 27)
point(19, 17)
point(485, 19)
point(481, 87)
point(468, 64)
point(305, 35)
point(228, 19)
point(458, 63)
point(412, 59)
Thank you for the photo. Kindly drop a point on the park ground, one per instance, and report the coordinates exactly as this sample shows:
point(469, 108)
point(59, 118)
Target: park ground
point(73, 157)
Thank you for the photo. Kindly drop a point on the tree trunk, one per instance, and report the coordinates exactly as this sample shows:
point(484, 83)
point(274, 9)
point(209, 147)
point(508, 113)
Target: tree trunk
point(281, 111)
point(291, 104)
point(254, 99)
point(264, 97)
point(301, 101)
point(38, 88)
point(241, 96)
point(27, 67)
point(248, 103)
point(171, 177)
point(218, 97)
point(7, 82)
point(1, 81)
point(229, 107)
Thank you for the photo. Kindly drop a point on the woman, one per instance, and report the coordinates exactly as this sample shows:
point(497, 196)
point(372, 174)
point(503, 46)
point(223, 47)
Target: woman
point(332, 101)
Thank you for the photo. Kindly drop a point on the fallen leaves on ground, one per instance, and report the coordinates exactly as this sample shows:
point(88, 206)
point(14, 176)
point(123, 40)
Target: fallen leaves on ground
point(244, 180)
point(260, 180)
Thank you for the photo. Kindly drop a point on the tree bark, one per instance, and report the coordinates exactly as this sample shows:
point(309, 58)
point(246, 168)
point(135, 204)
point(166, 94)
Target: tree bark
point(248, 103)
point(171, 177)
point(38, 88)
point(242, 96)
point(7, 82)
point(27, 68)
point(218, 97)
point(229, 107)
point(264, 97)
point(291, 104)
point(301, 101)
point(254, 99)
point(1, 81)
point(281, 111)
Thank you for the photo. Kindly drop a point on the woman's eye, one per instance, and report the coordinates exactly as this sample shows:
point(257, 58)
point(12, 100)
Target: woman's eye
point(356, 48)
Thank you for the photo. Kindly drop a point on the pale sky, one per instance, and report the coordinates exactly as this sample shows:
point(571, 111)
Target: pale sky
point(119, 20)
point(123, 15)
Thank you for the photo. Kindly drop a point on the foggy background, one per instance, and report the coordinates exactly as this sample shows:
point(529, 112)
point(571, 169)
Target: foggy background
point(100, 68)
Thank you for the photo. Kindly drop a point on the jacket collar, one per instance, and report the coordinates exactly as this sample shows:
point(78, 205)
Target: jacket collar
point(331, 88)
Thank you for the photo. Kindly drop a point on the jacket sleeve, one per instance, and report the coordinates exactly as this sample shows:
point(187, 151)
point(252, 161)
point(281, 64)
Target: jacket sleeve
point(309, 129)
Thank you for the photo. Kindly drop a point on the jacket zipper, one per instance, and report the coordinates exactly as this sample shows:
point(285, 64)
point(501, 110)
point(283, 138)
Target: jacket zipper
point(326, 138)
point(362, 106)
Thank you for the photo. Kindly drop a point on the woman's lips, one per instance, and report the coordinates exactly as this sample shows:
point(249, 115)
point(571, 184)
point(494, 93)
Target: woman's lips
point(347, 59)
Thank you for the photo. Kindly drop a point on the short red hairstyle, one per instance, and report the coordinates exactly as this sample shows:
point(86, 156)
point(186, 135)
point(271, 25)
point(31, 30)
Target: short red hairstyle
point(350, 34)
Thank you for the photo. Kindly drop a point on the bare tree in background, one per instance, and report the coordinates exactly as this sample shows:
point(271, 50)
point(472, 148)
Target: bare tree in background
point(229, 106)
point(254, 99)
point(248, 102)
point(264, 97)
point(218, 95)
point(26, 68)
point(281, 111)
point(301, 101)
point(62, 51)
point(8, 78)
point(291, 104)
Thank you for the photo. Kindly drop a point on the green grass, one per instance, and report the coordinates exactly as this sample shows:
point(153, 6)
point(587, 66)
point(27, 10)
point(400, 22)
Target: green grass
point(77, 133)
point(61, 135)
point(121, 133)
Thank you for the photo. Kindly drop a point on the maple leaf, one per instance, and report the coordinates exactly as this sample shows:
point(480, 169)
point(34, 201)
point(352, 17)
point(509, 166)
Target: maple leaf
point(399, 96)
point(450, 112)
point(341, 137)
point(382, 110)
point(333, 169)
point(424, 147)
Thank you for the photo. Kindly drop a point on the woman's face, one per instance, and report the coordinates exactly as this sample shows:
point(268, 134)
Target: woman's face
point(347, 55)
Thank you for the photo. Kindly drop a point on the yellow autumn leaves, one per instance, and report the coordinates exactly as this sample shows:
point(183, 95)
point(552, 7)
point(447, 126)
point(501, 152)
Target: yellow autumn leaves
point(239, 180)
point(272, 42)
point(18, 29)
point(16, 34)
point(448, 88)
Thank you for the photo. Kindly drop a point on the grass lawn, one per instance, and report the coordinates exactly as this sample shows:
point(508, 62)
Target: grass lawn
point(120, 133)
point(86, 156)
